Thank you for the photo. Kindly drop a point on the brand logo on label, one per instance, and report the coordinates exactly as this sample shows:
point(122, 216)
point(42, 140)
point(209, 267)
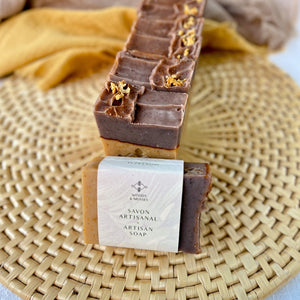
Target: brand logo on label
point(139, 186)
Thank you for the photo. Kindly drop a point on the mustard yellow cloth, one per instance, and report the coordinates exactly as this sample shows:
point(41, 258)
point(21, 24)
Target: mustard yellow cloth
point(50, 45)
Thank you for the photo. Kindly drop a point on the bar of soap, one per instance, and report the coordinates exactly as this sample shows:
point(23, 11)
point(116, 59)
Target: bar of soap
point(148, 117)
point(159, 58)
point(196, 186)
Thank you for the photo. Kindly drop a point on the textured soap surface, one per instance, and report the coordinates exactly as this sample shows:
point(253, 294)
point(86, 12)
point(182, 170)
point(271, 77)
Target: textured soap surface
point(153, 117)
point(160, 58)
point(196, 186)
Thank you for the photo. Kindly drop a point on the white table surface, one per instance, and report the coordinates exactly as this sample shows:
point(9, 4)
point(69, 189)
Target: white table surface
point(288, 60)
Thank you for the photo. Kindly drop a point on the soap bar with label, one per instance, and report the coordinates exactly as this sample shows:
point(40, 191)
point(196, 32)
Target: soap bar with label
point(196, 186)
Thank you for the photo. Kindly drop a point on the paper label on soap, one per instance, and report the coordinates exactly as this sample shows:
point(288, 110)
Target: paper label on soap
point(139, 202)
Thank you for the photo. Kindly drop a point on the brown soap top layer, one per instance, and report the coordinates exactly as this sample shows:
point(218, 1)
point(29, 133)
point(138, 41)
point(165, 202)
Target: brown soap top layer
point(162, 2)
point(158, 11)
point(173, 74)
point(158, 61)
point(135, 71)
point(119, 100)
point(148, 117)
point(158, 39)
point(149, 47)
point(169, 10)
point(192, 7)
point(186, 43)
point(158, 28)
point(196, 186)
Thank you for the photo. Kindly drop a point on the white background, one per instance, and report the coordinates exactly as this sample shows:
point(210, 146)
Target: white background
point(288, 60)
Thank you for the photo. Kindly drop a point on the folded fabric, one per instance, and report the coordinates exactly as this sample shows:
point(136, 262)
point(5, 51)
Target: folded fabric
point(51, 45)
point(261, 22)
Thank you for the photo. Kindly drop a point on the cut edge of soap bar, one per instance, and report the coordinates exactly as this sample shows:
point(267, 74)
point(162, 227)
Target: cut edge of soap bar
point(90, 218)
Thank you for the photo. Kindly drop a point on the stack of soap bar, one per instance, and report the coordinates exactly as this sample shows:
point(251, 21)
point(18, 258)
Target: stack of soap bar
point(196, 186)
point(142, 107)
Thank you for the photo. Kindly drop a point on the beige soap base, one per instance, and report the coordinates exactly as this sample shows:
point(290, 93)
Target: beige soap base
point(117, 148)
point(244, 121)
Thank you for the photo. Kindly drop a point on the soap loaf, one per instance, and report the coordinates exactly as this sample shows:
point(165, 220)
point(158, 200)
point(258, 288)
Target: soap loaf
point(142, 107)
point(196, 186)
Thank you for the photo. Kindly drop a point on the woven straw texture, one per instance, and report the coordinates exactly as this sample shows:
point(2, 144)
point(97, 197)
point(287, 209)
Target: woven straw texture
point(244, 120)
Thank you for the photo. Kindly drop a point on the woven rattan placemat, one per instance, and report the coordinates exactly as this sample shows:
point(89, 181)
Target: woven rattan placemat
point(244, 120)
